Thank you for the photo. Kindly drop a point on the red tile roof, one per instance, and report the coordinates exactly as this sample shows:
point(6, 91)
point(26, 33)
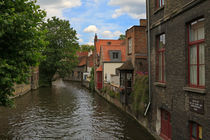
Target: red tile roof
point(82, 60)
point(107, 48)
point(102, 42)
point(82, 53)
point(90, 61)
point(100, 68)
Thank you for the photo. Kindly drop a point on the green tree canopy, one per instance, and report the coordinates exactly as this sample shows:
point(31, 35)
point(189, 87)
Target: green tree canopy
point(21, 43)
point(122, 37)
point(86, 48)
point(61, 50)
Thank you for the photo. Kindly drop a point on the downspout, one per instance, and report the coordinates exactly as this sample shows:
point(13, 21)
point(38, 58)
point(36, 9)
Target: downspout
point(149, 57)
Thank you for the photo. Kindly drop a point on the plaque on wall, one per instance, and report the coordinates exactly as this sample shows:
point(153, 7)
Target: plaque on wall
point(196, 105)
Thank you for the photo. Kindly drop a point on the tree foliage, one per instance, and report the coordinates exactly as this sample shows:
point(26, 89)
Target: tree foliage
point(122, 37)
point(61, 50)
point(21, 43)
point(86, 48)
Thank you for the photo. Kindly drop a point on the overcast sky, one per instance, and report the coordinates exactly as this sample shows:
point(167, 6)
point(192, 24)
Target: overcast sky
point(107, 18)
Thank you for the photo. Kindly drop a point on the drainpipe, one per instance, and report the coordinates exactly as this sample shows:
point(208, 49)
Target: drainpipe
point(148, 51)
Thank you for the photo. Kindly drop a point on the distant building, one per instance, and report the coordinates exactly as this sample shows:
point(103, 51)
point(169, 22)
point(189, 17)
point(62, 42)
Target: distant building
point(87, 74)
point(108, 55)
point(180, 68)
point(77, 73)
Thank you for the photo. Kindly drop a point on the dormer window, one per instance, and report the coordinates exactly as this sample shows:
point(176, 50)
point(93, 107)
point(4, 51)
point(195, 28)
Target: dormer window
point(115, 55)
point(109, 43)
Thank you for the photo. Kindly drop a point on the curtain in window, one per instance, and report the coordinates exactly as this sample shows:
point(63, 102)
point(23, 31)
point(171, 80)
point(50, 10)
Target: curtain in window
point(193, 65)
point(201, 64)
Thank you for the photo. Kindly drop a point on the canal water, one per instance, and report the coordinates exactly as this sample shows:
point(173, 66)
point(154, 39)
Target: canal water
point(67, 111)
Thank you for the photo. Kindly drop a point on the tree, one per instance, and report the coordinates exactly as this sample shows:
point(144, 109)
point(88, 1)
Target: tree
point(122, 37)
point(86, 48)
point(61, 51)
point(21, 43)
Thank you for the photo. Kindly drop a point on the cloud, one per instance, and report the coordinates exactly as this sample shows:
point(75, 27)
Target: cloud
point(109, 34)
point(80, 40)
point(91, 29)
point(134, 8)
point(56, 7)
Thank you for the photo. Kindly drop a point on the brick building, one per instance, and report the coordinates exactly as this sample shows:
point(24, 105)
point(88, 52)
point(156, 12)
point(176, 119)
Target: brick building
point(136, 42)
point(136, 55)
point(81, 68)
point(180, 68)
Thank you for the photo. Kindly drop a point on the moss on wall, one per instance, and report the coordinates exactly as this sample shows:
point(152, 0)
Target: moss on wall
point(139, 95)
point(110, 92)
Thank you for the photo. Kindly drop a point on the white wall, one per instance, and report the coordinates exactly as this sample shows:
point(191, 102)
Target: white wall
point(110, 68)
point(115, 80)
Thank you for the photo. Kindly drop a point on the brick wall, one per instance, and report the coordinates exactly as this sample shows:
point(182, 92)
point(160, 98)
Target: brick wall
point(171, 96)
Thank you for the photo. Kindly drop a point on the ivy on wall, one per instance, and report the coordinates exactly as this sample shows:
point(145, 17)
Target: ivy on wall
point(140, 95)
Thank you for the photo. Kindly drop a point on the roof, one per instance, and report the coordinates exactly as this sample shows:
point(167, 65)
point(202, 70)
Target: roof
point(127, 66)
point(106, 48)
point(99, 68)
point(102, 42)
point(82, 60)
point(90, 61)
point(82, 53)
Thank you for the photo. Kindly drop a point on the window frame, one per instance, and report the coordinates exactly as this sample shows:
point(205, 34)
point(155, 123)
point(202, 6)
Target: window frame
point(160, 3)
point(190, 44)
point(162, 52)
point(197, 131)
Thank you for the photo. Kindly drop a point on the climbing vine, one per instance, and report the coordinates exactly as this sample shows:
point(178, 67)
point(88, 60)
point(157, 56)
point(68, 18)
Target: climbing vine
point(139, 95)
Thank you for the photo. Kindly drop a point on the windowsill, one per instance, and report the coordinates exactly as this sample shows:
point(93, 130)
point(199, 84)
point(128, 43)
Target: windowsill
point(158, 9)
point(196, 90)
point(159, 84)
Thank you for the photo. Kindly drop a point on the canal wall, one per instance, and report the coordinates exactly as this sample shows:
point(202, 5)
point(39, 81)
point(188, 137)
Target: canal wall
point(142, 120)
point(33, 83)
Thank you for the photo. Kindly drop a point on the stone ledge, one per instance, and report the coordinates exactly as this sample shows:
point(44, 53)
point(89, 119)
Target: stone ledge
point(159, 9)
point(195, 90)
point(160, 84)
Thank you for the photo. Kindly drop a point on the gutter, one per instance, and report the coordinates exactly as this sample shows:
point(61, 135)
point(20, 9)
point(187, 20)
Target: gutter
point(148, 51)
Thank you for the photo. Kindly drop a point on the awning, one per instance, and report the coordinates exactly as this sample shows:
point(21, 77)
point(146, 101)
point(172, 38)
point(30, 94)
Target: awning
point(126, 66)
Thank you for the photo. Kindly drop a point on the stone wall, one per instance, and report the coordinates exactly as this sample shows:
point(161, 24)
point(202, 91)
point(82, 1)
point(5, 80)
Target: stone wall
point(33, 83)
point(142, 120)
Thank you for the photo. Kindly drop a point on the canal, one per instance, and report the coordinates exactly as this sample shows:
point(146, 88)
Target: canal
point(67, 111)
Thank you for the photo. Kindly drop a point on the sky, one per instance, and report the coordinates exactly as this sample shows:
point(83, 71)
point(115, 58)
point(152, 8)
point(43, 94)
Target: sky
point(107, 18)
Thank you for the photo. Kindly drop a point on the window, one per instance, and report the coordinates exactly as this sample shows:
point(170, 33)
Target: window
point(161, 75)
point(109, 43)
point(165, 124)
point(115, 55)
point(129, 45)
point(195, 131)
point(196, 54)
point(160, 3)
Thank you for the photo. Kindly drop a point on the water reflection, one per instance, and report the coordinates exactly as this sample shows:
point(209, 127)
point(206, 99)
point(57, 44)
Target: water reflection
point(67, 112)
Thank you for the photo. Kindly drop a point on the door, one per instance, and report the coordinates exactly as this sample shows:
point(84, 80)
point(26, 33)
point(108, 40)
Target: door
point(165, 125)
point(99, 80)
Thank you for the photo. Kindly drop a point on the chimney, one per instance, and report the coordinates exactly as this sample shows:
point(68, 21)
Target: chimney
point(143, 22)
